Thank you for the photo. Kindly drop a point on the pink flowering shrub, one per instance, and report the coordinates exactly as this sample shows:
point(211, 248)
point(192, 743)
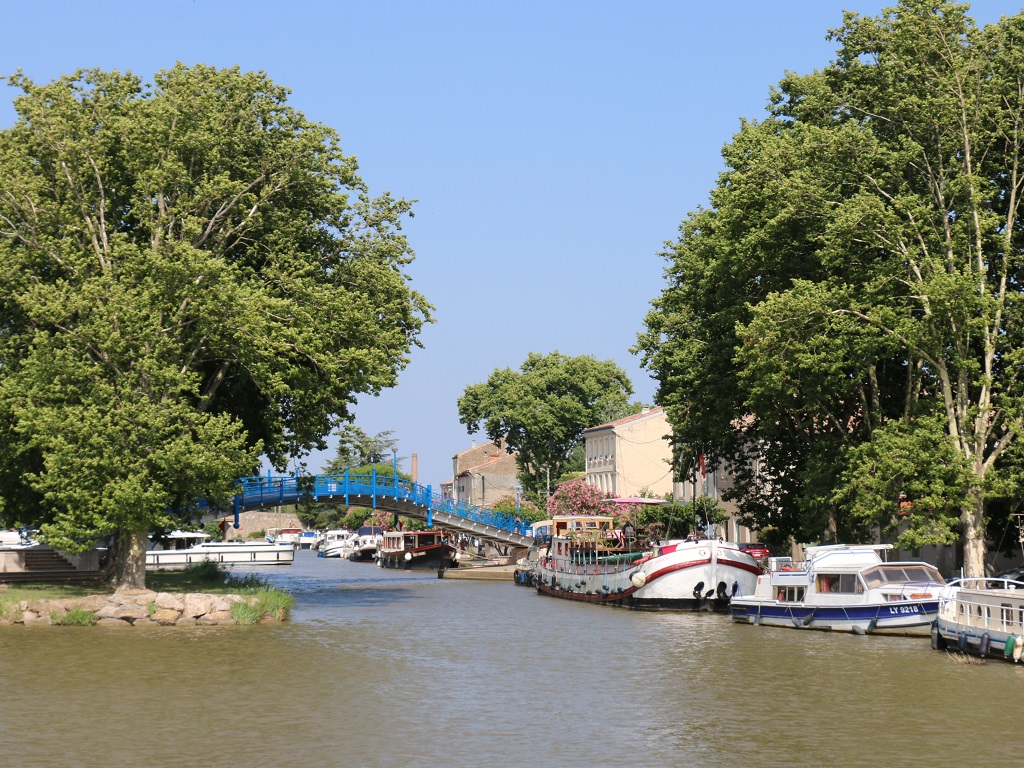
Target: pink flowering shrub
point(578, 498)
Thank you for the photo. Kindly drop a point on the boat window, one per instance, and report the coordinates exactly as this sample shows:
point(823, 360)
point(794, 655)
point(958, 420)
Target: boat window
point(828, 582)
point(1006, 615)
point(922, 573)
point(843, 583)
point(873, 578)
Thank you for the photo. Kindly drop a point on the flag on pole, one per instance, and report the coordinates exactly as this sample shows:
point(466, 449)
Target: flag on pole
point(703, 467)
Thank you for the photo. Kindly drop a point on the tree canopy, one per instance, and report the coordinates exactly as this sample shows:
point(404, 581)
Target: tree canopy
point(356, 449)
point(843, 323)
point(195, 275)
point(541, 411)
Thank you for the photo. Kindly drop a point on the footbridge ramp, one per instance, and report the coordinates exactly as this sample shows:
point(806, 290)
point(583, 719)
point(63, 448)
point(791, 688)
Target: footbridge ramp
point(386, 493)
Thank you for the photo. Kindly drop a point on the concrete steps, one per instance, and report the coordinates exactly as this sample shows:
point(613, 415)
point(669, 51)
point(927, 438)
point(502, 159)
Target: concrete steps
point(45, 564)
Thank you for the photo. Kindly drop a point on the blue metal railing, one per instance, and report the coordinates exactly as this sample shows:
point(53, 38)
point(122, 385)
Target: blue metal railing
point(364, 490)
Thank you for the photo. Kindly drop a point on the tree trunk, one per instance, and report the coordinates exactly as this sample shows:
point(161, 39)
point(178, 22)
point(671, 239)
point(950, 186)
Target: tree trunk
point(974, 536)
point(130, 560)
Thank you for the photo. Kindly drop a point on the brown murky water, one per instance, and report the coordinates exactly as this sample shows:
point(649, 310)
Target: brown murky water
point(387, 668)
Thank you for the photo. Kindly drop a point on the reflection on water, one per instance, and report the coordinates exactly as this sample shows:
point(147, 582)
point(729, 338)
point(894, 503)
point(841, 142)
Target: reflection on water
point(383, 667)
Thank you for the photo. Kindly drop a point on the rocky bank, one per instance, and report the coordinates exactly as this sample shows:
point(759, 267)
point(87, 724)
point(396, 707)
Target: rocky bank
point(131, 608)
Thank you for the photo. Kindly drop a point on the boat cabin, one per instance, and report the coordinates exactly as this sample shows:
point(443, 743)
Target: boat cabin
point(176, 540)
point(404, 541)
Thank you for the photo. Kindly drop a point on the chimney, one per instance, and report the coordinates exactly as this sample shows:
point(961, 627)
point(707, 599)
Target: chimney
point(415, 472)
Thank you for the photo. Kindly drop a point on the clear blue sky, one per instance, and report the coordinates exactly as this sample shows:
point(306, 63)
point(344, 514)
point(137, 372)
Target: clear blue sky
point(553, 147)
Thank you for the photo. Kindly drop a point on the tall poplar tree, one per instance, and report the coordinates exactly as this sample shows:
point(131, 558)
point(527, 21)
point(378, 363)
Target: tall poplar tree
point(194, 275)
point(844, 322)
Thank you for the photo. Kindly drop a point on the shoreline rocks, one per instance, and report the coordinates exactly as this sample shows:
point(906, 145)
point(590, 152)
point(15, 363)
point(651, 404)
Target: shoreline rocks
point(132, 608)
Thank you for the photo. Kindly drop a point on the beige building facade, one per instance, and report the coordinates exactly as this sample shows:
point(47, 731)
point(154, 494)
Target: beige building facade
point(632, 456)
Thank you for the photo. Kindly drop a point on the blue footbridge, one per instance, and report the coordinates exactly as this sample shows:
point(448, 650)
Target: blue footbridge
point(385, 493)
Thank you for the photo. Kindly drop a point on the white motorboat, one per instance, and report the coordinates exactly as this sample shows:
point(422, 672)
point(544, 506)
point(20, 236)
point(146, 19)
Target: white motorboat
point(846, 588)
point(983, 616)
point(335, 542)
point(284, 536)
point(362, 547)
point(589, 561)
point(183, 548)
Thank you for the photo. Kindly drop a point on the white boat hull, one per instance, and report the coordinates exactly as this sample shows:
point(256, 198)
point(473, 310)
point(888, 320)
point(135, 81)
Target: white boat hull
point(699, 574)
point(258, 553)
point(983, 617)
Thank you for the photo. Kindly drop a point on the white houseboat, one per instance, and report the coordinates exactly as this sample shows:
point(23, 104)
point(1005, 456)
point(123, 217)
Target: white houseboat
point(180, 549)
point(587, 560)
point(981, 616)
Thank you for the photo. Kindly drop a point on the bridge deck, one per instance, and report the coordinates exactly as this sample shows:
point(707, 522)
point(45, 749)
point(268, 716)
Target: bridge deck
point(386, 493)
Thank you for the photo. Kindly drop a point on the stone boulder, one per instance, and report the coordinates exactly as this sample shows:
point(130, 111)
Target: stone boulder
point(166, 616)
point(167, 601)
point(196, 605)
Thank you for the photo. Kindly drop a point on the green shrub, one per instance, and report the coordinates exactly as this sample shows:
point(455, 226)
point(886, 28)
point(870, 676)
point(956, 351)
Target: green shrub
point(246, 585)
point(206, 572)
point(269, 602)
point(9, 609)
point(76, 617)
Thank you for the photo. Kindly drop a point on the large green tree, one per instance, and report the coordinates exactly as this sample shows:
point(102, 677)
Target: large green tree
point(541, 410)
point(356, 449)
point(843, 323)
point(194, 275)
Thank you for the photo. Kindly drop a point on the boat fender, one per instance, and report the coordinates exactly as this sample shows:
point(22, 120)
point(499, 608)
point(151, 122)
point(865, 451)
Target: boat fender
point(961, 643)
point(984, 644)
point(698, 591)
point(516, 578)
point(859, 630)
point(1018, 647)
point(938, 641)
point(638, 579)
point(408, 556)
point(1008, 647)
point(722, 591)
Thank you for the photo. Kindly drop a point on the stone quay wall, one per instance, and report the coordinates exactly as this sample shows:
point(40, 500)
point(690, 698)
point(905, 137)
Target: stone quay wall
point(132, 608)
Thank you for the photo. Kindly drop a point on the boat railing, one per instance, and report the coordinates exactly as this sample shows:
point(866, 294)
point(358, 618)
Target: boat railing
point(918, 590)
point(785, 564)
point(985, 582)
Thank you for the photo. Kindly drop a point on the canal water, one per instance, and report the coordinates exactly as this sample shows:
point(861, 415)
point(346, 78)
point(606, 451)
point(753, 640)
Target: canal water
point(392, 668)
